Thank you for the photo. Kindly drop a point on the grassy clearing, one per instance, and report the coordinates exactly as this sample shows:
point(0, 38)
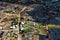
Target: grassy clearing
point(56, 26)
point(2, 15)
point(42, 31)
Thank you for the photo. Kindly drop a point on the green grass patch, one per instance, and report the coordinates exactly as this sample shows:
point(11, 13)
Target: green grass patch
point(50, 27)
point(25, 31)
point(42, 32)
point(2, 15)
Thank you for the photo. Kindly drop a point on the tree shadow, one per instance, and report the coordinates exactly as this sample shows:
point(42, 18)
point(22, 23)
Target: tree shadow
point(43, 15)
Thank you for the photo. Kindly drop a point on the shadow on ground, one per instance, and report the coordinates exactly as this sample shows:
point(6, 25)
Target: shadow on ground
point(45, 15)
